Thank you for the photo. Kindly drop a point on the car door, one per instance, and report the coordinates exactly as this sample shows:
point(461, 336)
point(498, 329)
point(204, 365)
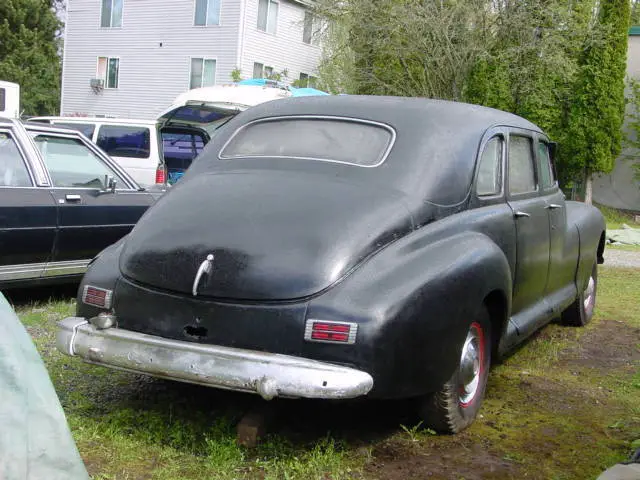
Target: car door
point(27, 212)
point(532, 232)
point(91, 216)
point(560, 278)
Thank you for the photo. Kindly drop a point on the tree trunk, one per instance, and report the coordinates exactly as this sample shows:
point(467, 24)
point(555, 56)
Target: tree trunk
point(588, 189)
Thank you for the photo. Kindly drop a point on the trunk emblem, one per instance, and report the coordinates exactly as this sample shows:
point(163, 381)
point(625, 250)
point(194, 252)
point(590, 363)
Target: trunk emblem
point(205, 267)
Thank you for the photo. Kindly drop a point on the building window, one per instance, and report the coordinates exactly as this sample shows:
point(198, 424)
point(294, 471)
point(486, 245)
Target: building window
point(207, 12)
point(203, 72)
point(109, 71)
point(111, 15)
point(267, 15)
point(258, 70)
point(311, 30)
point(307, 80)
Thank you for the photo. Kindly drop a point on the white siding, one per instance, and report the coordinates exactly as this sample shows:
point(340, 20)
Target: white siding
point(285, 49)
point(151, 76)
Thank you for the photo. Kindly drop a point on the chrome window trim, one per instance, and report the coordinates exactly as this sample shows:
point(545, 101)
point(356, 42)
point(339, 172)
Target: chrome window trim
point(102, 156)
point(383, 157)
point(25, 158)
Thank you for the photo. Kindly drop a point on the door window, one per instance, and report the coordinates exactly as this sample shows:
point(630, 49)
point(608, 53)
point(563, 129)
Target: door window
point(125, 141)
point(546, 172)
point(72, 164)
point(521, 172)
point(490, 169)
point(13, 170)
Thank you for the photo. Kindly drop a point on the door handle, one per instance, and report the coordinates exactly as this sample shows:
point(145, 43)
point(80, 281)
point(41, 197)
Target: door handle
point(553, 206)
point(519, 214)
point(73, 198)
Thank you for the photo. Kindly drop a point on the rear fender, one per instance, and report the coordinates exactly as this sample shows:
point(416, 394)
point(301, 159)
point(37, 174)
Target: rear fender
point(414, 303)
point(591, 229)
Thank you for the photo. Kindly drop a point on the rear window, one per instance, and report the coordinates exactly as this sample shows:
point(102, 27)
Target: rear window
point(86, 129)
point(345, 141)
point(125, 141)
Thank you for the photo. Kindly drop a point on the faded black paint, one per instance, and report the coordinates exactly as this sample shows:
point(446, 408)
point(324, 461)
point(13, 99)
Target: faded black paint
point(406, 249)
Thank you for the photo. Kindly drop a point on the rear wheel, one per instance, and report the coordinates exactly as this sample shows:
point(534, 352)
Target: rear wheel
point(580, 312)
point(456, 404)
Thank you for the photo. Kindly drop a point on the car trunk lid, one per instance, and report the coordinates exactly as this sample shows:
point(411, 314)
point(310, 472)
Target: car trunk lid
point(298, 236)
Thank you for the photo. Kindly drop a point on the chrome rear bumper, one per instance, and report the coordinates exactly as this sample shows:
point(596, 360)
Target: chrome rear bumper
point(267, 374)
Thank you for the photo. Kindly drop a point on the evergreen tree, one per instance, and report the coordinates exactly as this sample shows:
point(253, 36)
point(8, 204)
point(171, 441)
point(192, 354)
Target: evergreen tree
point(598, 105)
point(29, 53)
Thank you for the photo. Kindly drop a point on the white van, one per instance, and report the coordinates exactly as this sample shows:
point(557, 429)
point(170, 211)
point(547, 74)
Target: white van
point(133, 144)
point(9, 100)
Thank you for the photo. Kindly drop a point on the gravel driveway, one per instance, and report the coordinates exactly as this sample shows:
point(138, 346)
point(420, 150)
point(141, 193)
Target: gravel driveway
point(621, 258)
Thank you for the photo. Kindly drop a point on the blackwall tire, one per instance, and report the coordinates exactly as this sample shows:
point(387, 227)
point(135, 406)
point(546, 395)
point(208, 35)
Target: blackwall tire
point(455, 406)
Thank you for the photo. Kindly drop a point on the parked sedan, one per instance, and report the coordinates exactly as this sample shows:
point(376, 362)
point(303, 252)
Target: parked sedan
point(340, 247)
point(62, 200)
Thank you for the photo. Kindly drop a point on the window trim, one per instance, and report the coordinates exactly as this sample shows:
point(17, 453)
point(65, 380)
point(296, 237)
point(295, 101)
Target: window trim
point(207, 25)
point(532, 136)
point(112, 165)
point(111, 19)
point(24, 158)
point(503, 161)
point(266, 27)
point(204, 59)
point(383, 157)
point(106, 78)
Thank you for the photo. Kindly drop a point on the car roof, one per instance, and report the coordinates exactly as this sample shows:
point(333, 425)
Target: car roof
point(434, 153)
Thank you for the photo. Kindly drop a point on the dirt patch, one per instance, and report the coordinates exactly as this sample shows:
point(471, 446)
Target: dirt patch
point(395, 460)
point(611, 344)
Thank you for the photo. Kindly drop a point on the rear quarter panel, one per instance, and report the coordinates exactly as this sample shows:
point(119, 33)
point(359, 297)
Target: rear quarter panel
point(591, 227)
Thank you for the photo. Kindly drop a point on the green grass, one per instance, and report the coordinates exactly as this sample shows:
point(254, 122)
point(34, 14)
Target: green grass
point(564, 406)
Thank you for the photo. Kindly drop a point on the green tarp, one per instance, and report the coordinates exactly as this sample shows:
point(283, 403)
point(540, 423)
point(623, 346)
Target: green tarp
point(35, 441)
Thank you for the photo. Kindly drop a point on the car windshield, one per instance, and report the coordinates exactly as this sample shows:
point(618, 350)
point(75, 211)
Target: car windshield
point(352, 142)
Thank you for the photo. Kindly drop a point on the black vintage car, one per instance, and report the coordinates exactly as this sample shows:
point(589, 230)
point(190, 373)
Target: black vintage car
point(339, 247)
point(62, 201)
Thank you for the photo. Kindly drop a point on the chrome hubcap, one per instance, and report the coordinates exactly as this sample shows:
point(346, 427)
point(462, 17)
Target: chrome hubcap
point(470, 365)
point(589, 296)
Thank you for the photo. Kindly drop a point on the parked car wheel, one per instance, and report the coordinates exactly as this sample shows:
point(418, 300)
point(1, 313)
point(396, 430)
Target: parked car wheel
point(456, 404)
point(581, 311)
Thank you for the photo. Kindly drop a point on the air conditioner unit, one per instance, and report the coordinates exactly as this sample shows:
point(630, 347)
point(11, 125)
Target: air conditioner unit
point(97, 84)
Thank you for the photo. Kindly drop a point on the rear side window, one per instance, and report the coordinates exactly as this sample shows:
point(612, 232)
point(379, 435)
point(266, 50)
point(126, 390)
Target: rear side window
point(13, 171)
point(521, 172)
point(3, 99)
point(546, 172)
point(344, 141)
point(86, 129)
point(125, 141)
point(490, 168)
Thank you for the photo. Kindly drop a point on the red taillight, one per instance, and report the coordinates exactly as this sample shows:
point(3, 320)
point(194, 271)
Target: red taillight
point(98, 297)
point(331, 332)
point(161, 174)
